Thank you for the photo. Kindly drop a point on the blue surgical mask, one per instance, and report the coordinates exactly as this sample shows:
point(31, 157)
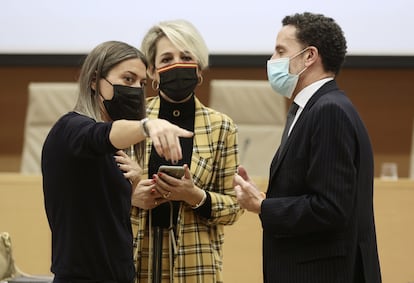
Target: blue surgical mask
point(279, 77)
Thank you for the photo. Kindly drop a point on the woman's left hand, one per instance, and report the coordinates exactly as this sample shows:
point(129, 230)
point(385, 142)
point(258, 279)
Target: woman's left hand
point(182, 189)
point(131, 169)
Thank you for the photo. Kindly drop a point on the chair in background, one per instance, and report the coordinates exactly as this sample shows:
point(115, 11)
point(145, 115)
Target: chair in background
point(47, 102)
point(260, 116)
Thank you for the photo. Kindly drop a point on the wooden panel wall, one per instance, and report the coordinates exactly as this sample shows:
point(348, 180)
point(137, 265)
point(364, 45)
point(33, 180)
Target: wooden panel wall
point(384, 98)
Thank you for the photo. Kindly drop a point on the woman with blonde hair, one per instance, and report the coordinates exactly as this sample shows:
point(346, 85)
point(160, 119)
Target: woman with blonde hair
point(192, 210)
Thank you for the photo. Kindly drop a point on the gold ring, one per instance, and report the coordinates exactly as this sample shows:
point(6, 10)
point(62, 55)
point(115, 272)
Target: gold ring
point(167, 195)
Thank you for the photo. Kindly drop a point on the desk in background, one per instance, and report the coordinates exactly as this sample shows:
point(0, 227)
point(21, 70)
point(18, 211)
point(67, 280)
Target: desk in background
point(22, 215)
point(394, 217)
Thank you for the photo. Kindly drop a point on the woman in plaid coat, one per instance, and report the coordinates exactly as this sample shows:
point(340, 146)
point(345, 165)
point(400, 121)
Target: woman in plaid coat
point(190, 212)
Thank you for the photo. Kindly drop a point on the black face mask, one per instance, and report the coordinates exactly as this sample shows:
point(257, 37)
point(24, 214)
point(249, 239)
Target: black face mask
point(179, 80)
point(127, 103)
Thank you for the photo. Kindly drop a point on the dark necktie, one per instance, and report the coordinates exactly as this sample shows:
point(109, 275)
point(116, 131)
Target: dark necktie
point(290, 117)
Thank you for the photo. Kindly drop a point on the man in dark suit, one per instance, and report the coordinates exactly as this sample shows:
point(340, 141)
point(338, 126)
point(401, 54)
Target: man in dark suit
point(317, 215)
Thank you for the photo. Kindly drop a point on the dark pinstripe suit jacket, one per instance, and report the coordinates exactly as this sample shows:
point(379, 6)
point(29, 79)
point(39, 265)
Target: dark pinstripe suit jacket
point(318, 223)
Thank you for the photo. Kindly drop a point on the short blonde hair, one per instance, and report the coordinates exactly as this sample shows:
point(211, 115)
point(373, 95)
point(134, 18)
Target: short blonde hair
point(182, 34)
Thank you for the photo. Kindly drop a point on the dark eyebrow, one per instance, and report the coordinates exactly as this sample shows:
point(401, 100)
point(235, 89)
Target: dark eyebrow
point(166, 54)
point(131, 73)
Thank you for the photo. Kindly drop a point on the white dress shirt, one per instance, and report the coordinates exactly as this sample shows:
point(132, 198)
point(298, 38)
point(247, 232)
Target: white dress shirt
point(304, 95)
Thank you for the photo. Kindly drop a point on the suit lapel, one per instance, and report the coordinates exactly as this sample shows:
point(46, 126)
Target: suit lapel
point(326, 88)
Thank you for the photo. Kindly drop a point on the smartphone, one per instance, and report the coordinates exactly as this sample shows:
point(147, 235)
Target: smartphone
point(174, 171)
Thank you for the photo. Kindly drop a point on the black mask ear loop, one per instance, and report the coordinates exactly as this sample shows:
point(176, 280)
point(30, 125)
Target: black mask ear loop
point(108, 83)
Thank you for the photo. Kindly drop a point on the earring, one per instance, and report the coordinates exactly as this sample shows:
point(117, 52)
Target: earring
point(155, 85)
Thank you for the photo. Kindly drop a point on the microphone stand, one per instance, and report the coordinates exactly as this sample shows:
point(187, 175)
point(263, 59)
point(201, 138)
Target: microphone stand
point(157, 255)
point(243, 151)
point(158, 238)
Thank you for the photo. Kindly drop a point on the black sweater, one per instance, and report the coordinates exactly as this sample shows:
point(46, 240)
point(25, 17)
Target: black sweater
point(87, 202)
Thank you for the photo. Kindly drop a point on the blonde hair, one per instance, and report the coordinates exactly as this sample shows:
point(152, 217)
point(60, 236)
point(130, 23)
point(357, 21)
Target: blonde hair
point(182, 34)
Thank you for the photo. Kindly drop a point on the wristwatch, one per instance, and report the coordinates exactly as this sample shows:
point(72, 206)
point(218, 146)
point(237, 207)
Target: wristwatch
point(144, 127)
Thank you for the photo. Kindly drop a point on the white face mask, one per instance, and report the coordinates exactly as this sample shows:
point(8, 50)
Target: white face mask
point(279, 77)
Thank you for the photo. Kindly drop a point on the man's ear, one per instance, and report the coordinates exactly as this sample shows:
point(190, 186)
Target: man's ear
point(312, 55)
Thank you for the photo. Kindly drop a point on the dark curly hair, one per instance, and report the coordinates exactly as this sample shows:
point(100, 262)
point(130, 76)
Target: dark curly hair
point(323, 33)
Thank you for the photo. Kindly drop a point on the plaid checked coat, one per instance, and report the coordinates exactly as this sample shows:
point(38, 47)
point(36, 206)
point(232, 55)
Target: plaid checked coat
point(213, 164)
